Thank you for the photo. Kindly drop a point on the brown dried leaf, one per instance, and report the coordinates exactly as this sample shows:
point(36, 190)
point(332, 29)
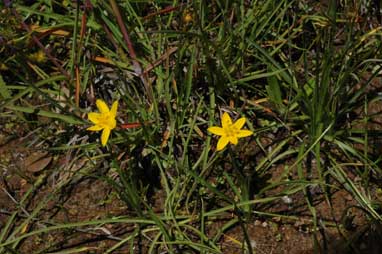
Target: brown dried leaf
point(39, 165)
point(37, 161)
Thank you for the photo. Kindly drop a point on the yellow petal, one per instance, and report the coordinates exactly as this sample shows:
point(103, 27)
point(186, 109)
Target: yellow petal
point(223, 141)
point(244, 133)
point(94, 117)
point(233, 140)
point(95, 128)
point(216, 130)
point(226, 120)
point(102, 107)
point(112, 123)
point(105, 136)
point(114, 109)
point(239, 123)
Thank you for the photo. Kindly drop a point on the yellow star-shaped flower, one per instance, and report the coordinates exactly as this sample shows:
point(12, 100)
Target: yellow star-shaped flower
point(105, 120)
point(229, 132)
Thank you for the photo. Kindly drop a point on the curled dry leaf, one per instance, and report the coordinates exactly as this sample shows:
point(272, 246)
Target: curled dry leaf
point(37, 161)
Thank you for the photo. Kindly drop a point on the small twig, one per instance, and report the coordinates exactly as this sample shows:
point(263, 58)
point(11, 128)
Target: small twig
point(15, 201)
point(165, 10)
point(78, 86)
point(136, 65)
point(109, 36)
point(163, 57)
point(126, 37)
point(77, 48)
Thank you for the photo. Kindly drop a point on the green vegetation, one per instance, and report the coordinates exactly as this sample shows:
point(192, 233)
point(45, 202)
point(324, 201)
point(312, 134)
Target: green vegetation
point(305, 75)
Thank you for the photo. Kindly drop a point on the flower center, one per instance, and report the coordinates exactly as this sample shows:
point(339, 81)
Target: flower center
point(231, 131)
point(107, 121)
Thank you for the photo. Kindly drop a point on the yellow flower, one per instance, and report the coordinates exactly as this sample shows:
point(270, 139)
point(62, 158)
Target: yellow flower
point(187, 17)
point(229, 132)
point(105, 120)
point(38, 56)
point(3, 67)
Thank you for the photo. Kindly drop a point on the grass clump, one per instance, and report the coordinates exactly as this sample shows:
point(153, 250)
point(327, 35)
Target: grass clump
point(303, 76)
